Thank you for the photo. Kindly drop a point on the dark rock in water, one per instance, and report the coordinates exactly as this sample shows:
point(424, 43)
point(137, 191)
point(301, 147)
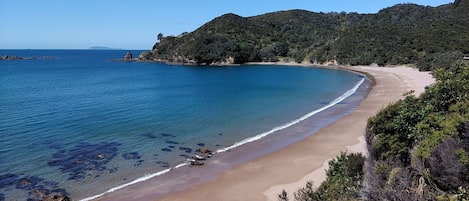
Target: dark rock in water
point(220, 134)
point(128, 56)
point(184, 155)
point(171, 147)
point(28, 183)
point(172, 142)
point(113, 170)
point(42, 194)
point(166, 150)
point(201, 144)
point(38, 188)
point(185, 149)
point(138, 163)
point(166, 135)
point(163, 164)
point(84, 157)
point(131, 156)
point(7, 180)
point(60, 191)
point(38, 193)
point(8, 57)
point(149, 135)
point(76, 176)
point(217, 145)
point(52, 184)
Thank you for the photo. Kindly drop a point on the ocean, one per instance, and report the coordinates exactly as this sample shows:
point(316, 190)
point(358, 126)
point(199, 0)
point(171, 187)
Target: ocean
point(80, 123)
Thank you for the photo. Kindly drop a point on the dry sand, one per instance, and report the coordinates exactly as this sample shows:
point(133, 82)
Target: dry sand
point(290, 168)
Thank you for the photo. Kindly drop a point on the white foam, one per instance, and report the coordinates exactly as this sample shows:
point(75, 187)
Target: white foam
point(242, 142)
point(262, 135)
point(138, 180)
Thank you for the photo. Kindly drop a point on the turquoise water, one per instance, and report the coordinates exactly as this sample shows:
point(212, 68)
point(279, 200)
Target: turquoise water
point(81, 123)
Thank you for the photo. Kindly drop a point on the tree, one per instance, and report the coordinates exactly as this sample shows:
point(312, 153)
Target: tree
point(160, 36)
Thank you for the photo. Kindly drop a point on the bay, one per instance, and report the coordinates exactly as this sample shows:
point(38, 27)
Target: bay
point(88, 123)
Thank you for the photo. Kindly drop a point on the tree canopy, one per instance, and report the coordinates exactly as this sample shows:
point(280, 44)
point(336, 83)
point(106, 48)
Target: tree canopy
point(402, 34)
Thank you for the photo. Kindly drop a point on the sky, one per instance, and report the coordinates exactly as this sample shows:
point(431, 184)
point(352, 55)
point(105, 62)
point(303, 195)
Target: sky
point(135, 24)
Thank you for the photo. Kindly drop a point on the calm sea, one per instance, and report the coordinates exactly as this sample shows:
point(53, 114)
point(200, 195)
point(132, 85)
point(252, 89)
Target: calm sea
point(80, 123)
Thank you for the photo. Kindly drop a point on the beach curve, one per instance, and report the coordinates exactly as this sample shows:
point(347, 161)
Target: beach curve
point(290, 167)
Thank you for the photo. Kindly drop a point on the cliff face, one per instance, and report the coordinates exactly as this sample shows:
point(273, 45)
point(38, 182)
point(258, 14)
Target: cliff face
point(404, 33)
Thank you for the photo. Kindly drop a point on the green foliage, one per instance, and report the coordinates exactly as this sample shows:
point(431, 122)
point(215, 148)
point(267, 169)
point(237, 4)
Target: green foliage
point(438, 60)
point(463, 156)
point(344, 179)
point(307, 193)
point(401, 34)
point(392, 131)
point(452, 87)
point(283, 196)
point(423, 143)
point(462, 194)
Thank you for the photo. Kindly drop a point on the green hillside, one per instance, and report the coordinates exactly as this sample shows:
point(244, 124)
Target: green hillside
point(402, 34)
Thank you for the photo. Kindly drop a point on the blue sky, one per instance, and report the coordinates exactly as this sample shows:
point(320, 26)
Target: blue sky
point(80, 24)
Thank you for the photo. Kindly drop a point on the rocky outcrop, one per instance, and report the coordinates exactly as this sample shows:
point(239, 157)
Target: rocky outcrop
point(145, 56)
point(8, 57)
point(128, 56)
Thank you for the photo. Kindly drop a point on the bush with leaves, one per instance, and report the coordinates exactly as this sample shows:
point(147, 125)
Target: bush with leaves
point(343, 181)
point(419, 147)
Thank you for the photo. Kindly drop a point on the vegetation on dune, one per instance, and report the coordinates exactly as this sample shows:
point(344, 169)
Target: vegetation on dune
point(402, 34)
point(419, 148)
point(343, 182)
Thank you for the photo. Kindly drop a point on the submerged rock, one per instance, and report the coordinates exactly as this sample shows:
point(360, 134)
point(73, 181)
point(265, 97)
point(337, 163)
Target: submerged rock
point(167, 135)
point(149, 135)
point(42, 194)
point(38, 188)
point(131, 156)
point(28, 183)
point(185, 149)
point(172, 142)
point(84, 158)
point(8, 180)
point(163, 164)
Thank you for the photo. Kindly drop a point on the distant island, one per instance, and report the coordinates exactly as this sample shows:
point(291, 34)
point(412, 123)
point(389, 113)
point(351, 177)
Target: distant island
point(103, 48)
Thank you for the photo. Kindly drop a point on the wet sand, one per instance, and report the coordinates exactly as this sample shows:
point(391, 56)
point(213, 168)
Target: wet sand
point(290, 168)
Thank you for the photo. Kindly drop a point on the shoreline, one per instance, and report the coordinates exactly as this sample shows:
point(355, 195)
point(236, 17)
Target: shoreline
point(259, 178)
point(244, 150)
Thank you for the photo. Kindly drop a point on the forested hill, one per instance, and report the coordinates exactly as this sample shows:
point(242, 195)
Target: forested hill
point(402, 34)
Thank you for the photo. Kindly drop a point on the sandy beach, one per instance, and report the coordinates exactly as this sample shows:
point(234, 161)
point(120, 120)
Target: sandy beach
point(290, 168)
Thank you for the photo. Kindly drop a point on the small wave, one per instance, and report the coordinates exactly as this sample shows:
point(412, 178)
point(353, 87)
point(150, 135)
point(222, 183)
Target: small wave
point(138, 180)
point(242, 142)
point(278, 128)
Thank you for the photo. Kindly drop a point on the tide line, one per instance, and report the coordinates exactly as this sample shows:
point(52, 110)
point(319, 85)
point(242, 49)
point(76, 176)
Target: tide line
point(138, 180)
point(336, 101)
point(296, 121)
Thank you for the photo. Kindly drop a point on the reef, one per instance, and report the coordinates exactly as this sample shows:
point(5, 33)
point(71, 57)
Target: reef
point(38, 188)
point(84, 159)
